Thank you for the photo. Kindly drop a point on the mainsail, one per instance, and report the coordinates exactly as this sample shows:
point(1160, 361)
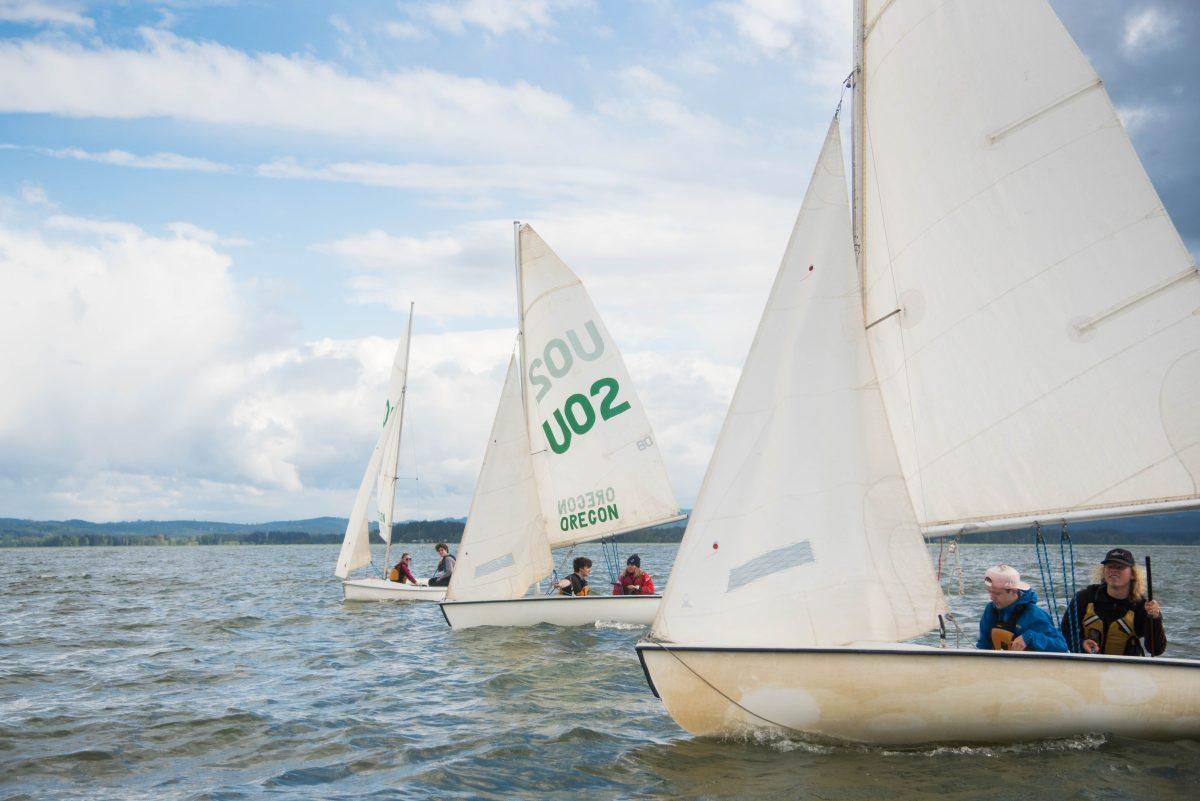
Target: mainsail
point(380, 472)
point(1032, 310)
point(598, 465)
point(572, 457)
point(803, 533)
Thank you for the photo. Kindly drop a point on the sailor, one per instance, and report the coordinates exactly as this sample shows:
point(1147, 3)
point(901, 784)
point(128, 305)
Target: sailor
point(576, 583)
point(402, 572)
point(1112, 616)
point(1012, 620)
point(445, 568)
point(634, 580)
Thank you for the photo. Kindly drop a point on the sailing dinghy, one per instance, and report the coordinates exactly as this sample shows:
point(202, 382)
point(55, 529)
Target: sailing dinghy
point(381, 475)
point(1016, 341)
point(571, 459)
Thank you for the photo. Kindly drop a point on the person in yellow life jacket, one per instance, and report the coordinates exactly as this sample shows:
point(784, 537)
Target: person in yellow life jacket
point(1012, 620)
point(402, 572)
point(576, 583)
point(1112, 616)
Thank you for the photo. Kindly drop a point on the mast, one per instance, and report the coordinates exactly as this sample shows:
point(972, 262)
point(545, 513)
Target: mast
point(387, 550)
point(858, 137)
point(520, 313)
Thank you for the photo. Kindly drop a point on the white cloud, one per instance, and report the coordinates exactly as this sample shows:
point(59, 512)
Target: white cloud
point(136, 387)
point(814, 33)
point(497, 17)
point(36, 196)
point(405, 31)
point(154, 161)
point(43, 12)
point(207, 82)
point(1149, 29)
point(1135, 118)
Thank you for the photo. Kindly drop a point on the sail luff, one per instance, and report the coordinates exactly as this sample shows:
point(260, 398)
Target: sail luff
point(393, 465)
point(356, 544)
point(857, 138)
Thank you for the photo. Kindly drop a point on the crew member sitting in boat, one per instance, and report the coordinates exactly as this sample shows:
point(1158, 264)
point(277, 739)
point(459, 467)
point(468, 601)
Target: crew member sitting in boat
point(402, 572)
point(1113, 616)
point(445, 568)
point(1012, 620)
point(634, 580)
point(576, 583)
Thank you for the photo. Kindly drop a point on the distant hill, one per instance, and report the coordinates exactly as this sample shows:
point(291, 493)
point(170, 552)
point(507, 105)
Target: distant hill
point(1182, 528)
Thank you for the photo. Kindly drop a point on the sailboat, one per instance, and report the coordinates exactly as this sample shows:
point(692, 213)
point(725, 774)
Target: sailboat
point(1003, 328)
point(571, 459)
point(381, 476)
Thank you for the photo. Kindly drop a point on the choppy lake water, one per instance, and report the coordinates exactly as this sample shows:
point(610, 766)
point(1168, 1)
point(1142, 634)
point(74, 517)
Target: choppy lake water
point(239, 672)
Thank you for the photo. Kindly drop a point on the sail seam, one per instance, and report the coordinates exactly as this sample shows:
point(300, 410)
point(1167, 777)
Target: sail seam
point(1062, 101)
point(879, 16)
point(900, 40)
point(1133, 300)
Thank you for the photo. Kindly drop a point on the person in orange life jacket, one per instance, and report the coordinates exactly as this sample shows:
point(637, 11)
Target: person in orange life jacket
point(634, 580)
point(576, 583)
point(1112, 616)
point(402, 573)
point(1012, 620)
point(445, 568)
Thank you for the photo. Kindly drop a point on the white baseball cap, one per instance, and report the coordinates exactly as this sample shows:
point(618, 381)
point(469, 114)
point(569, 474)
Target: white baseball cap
point(1003, 577)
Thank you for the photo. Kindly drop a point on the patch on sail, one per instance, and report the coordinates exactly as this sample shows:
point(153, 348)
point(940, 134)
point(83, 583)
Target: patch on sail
point(487, 568)
point(785, 558)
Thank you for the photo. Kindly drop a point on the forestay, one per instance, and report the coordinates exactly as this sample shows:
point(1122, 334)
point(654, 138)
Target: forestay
point(1045, 358)
point(504, 548)
point(803, 533)
point(599, 470)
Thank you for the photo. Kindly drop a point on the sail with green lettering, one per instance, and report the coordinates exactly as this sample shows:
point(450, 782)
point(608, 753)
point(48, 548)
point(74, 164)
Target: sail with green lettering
point(598, 465)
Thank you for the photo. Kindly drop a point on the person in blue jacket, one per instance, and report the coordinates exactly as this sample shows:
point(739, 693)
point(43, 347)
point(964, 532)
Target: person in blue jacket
point(1012, 620)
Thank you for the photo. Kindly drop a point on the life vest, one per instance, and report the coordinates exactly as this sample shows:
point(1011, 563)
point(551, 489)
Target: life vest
point(1115, 638)
point(394, 575)
point(578, 593)
point(1004, 632)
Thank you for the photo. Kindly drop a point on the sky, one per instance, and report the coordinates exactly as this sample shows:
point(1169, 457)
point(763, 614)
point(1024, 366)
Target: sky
point(214, 214)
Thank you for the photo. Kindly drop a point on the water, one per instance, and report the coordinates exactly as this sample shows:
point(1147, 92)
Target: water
point(238, 672)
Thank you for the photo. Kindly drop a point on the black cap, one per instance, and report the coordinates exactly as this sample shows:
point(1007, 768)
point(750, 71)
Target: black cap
point(1118, 555)
point(634, 560)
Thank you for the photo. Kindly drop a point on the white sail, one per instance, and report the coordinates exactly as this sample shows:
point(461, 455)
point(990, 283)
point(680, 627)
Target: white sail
point(597, 462)
point(504, 548)
point(385, 491)
point(1045, 358)
point(356, 545)
point(803, 533)
point(380, 472)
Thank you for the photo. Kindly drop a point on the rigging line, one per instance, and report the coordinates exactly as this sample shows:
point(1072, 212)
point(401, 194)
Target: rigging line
point(718, 691)
point(1064, 541)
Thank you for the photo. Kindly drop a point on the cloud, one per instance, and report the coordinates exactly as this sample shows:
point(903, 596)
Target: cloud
point(815, 34)
point(155, 161)
point(497, 17)
point(1147, 30)
point(137, 385)
point(207, 82)
point(1135, 118)
point(34, 12)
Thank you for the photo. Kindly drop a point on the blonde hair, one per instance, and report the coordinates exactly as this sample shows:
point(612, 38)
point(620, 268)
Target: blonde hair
point(1137, 582)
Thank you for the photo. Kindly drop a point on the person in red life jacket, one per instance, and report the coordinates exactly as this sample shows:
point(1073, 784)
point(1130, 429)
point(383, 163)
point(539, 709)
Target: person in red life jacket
point(576, 583)
point(1112, 616)
point(634, 581)
point(402, 573)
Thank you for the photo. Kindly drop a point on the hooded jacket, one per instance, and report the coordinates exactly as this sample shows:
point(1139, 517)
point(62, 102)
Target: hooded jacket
point(1029, 621)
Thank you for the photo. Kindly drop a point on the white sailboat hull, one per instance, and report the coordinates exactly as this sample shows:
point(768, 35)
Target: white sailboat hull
point(373, 589)
point(557, 610)
point(910, 695)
